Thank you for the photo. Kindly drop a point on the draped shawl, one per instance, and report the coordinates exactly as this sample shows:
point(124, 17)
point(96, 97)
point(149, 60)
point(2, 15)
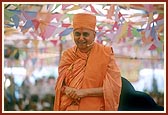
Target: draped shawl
point(79, 70)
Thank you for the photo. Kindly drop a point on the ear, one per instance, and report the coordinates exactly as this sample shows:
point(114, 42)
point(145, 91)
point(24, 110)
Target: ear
point(94, 33)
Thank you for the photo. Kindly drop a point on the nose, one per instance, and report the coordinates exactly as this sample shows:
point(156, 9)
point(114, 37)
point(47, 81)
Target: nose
point(81, 37)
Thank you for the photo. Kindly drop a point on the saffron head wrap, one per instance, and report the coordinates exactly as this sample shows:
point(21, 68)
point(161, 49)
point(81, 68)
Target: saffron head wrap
point(84, 20)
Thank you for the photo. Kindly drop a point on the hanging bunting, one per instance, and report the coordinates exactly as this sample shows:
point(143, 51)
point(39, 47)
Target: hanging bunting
point(27, 25)
point(44, 17)
point(160, 17)
point(16, 20)
point(21, 17)
point(35, 43)
point(160, 22)
point(139, 30)
point(135, 33)
point(129, 32)
point(66, 32)
point(152, 47)
point(149, 7)
point(100, 13)
point(34, 34)
point(111, 36)
point(57, 16)
point(116, 13)
point(54, 42)
point(150, 19)
point(29, 15)
point(147, 33)
point(110, 12)
point(9, 31)
point(56, 6)
point(70, 16)
point(65, 25)
point(48, 32)
point(36, 24)
point(64, 6)
point(48, 24)
point(75, 7)
point(146, 40)
point(58, 30)
point(115, 26)
point(8, 14)
point(119, 15)
point(153, 32)
point(122, 30)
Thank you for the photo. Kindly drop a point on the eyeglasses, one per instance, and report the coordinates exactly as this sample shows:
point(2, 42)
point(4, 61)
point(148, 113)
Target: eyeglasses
point(78, 34)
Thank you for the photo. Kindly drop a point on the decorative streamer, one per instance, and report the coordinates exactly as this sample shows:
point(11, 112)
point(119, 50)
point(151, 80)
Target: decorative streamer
point(48, 32)
point(51, 24)
point(66, 32)
point(54, 42)
point(93, 9)
point(16, 20)
point(110, 12)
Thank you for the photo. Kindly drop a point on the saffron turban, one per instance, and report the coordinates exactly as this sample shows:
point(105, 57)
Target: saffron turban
point(84, 20)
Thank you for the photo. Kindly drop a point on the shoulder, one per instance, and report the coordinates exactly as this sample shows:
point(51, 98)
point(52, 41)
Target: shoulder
point(69, 50)
point(69, 54)
point(107, 49)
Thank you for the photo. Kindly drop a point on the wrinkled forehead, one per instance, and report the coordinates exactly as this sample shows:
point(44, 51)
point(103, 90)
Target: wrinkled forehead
point(83, 30)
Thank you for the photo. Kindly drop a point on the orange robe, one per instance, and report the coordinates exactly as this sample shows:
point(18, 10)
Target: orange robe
point(78, 70)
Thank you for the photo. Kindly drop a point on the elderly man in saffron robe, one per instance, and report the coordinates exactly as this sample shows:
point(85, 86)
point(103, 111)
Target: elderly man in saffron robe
point(89, 78)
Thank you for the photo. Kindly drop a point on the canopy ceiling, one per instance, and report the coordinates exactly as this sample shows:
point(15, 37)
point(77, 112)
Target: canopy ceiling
point(131, 25)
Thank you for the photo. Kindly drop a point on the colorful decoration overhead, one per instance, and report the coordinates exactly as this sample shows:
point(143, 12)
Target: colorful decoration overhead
point(119, 22)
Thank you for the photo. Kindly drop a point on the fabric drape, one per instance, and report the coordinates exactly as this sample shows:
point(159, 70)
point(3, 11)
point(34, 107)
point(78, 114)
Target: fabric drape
point(80, 70)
